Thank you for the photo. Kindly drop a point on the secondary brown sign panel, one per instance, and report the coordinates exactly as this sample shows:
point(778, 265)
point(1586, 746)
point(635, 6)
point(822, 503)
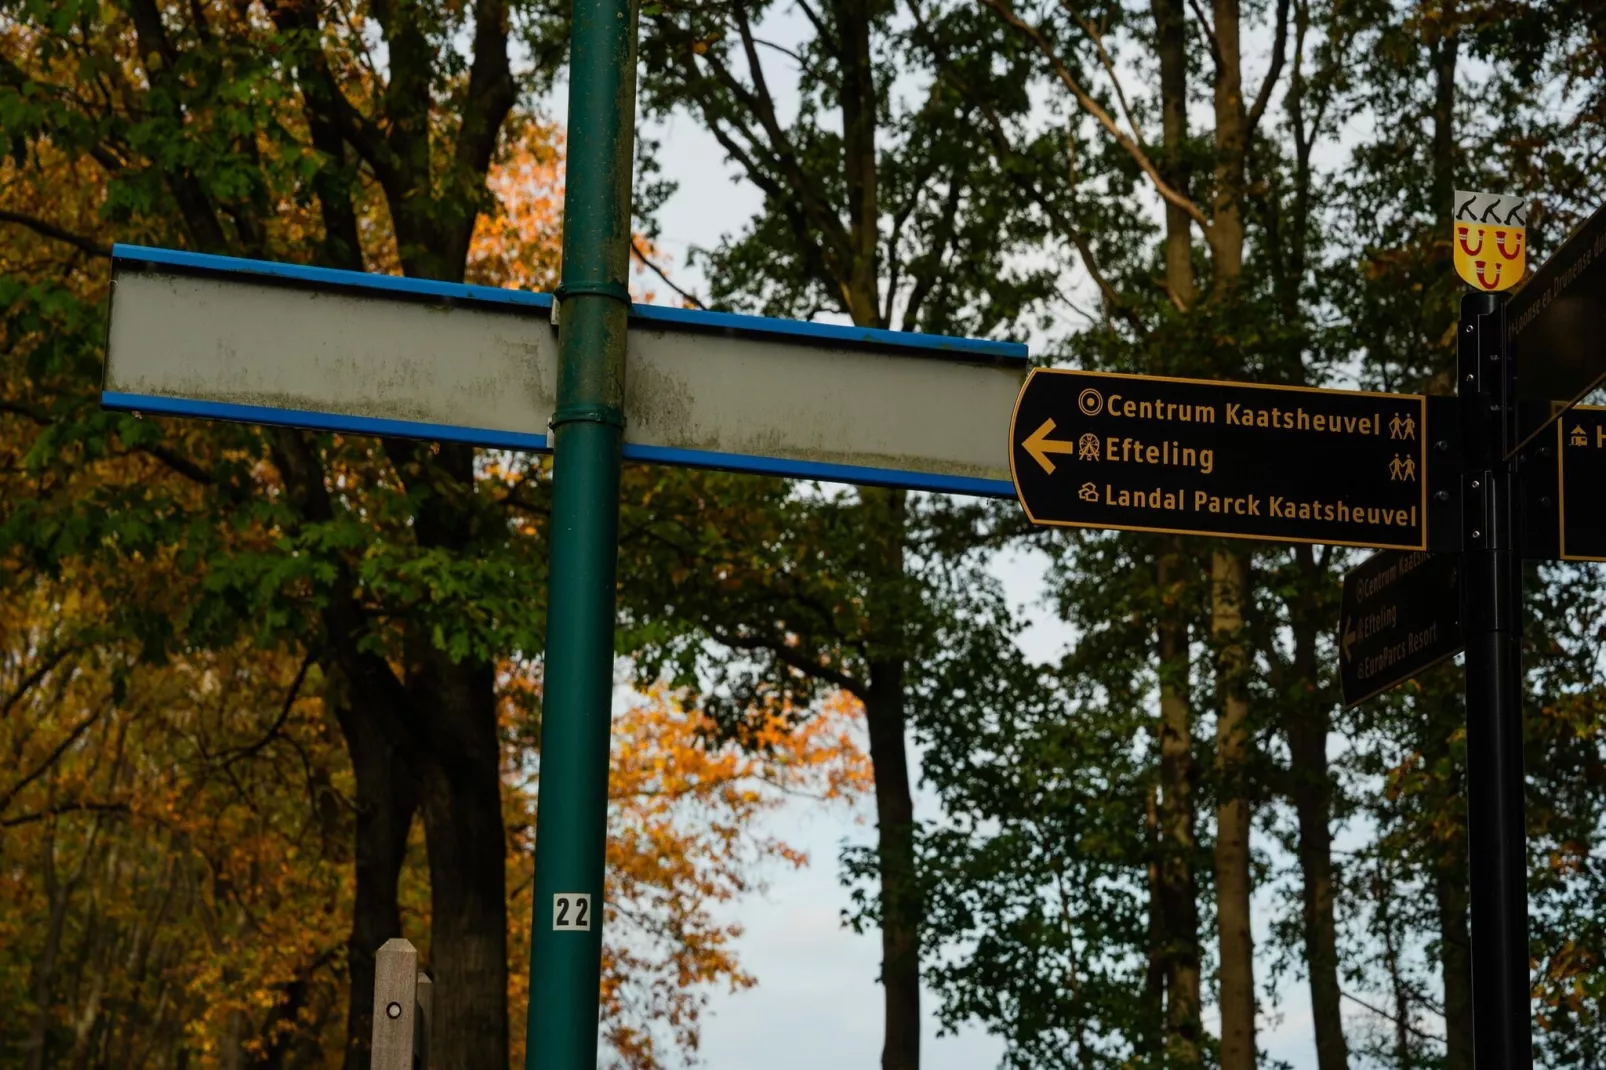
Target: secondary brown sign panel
point(1581, 449)
point(1554, 323)
point(1237, 460)
point(1401, 615)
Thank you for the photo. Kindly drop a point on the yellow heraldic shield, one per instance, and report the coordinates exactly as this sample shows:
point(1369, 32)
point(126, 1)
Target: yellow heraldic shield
point(1491, 239)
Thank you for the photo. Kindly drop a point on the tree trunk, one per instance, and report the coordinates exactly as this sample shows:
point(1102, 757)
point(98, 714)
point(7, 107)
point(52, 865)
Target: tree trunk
point(1153, 1038)
point(1177, 891)
point(1171, 47)
point(1450, 876)
point(1444, 48)
point(462, 812)
point(42, 979)
point(381, 729)
point(386, 782)
point(1307, 746)
point(1232, 140)
point(1178, 887)
point(858, 278)
point(1440, 316)
point(445, 717)
point(1229, 591)
point(1383, 894)
point(1455, 952)
point(1452, 894)
point(901, 906)
point(387, 798)
point(1312, 792)
point(460, 790)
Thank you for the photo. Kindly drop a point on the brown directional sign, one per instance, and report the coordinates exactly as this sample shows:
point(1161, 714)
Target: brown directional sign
point(1556, 321)
point(1239, 460)
point(1401, 615)
point(1581, 483)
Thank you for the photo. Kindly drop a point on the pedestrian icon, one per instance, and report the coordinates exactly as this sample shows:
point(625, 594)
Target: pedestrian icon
point(1090, 448)
point(1402, 469)
point(1403, 427)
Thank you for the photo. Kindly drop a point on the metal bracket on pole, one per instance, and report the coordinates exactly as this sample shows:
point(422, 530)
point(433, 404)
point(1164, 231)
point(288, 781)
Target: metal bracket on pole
point(596, 414)
point(615, 290)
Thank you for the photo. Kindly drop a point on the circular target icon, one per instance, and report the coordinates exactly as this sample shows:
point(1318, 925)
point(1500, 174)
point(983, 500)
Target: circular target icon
point(1091, 402)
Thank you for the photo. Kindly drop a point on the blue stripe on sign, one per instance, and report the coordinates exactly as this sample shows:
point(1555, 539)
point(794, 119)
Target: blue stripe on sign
point(321, 421)
point(925, 345)
point(514, 440)
point(334, 278)
point(827, 473)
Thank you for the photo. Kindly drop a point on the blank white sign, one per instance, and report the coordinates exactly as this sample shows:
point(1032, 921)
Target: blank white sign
point(216, 337)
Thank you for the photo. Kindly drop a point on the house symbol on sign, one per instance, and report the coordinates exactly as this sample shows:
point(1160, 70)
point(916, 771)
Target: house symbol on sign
point(1578, 437)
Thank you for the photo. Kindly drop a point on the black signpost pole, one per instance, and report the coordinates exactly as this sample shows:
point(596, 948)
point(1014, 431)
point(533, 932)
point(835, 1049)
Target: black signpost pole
point(1503, 1035)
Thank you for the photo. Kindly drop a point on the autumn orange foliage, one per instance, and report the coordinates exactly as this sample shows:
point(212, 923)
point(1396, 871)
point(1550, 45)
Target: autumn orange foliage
point(682, 842)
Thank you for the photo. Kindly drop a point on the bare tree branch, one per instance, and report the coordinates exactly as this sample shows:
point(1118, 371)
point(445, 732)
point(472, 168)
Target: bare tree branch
point(1004, 146)
point(180, 464)
point(1279, 43)
point(641, 254)
point(927, 270)
point(251, 750)
point(1096, 110)
point(42, 670)
point(49, 230)
point(783, 50)
point(160, 59)
point(795, 658)
point(491, 92)
point(1209, 32)
point(54, 756)
point(324, 89)
point(1386, 1016)
point(825, 220)
point(65, 808)
point(718, 121)
point(1109, 68)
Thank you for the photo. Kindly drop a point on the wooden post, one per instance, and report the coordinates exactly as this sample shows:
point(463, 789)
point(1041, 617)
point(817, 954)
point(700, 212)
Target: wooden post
point(426, 1020)
point(402, 1009)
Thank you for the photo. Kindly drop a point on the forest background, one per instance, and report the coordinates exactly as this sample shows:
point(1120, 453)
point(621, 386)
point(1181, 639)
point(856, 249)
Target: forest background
point(267, 698)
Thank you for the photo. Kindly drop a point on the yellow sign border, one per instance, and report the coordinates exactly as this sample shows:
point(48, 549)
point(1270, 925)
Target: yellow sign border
point(1420, 399)
point(1561, 480)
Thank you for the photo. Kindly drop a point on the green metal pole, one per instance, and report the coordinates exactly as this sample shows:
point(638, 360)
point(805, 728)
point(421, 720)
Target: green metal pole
point(571, 823)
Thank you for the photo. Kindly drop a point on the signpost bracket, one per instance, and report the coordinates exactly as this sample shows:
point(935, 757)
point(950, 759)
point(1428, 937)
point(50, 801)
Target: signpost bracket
point(1445, 522)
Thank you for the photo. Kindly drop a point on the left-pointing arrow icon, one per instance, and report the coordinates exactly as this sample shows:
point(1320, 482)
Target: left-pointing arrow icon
point(1040, 446)
point(1348, 639)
